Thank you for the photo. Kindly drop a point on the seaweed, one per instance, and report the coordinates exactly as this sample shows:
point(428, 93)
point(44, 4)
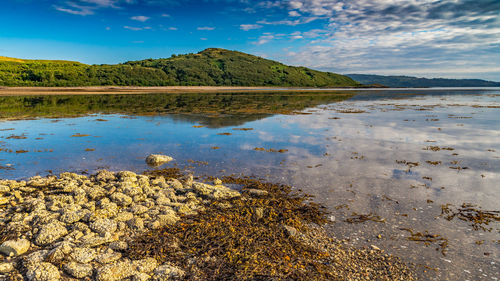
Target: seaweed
point(246, 238)
point(477, 218)
point(360, 218)
point(428, 239)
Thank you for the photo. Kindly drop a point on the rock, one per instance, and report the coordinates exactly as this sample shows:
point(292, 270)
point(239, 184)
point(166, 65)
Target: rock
point(121, 199)
point(35, 258)
point(72, 216)
point(259, 212)
point(215, 192)
point(290, 230)
point(4, 189)
point(15, 247)
point(103, 226)
point(108, 256)
point(116, 271)
point(6, 267)
point(167, 219)
point(105, 209)
point(217, 182)
point(59, 252)
point(118, 245)
point(93, 241)
point(167, 271)
point(146, 265)
point(138, 209)
point(375, 247)
point(136, 224)
point(158, 159)
point(83, 255)
point(43, 272)
point(124, 216)
point(105, 176)
point(50, 232)
point(141, 277)
point(78, 270)
point(257, 192)
point(4, 200)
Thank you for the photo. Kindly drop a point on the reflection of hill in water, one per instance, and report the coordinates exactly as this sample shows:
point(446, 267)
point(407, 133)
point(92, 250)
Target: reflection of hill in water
point(219, 121)
point(210, 109)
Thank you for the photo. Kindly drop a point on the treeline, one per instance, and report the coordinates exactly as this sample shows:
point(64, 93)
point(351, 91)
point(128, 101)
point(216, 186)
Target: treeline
point(414, 82)
point(211, 67)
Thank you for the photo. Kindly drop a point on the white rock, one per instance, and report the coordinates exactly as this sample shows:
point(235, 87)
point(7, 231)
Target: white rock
point(15, 247)
point(158, 159)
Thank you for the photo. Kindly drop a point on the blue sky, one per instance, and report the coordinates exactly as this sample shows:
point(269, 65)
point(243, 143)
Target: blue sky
point(426, 38)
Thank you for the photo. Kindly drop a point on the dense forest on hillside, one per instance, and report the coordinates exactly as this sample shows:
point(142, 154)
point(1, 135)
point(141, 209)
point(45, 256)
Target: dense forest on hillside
point(414, 82)
point(211, 67)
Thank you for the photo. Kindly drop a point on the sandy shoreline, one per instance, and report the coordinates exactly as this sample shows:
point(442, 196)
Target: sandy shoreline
point(26, 91)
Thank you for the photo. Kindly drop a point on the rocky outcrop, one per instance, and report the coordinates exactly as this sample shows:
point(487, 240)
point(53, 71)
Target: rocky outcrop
point(78, 226)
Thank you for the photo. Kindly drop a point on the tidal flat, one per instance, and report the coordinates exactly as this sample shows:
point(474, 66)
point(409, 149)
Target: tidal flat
point(412, 173)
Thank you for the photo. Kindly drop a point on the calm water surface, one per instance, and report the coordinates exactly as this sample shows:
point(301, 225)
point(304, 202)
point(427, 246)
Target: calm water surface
point(393, 156)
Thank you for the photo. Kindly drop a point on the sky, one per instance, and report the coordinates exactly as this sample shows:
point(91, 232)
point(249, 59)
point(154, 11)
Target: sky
point(424, 38)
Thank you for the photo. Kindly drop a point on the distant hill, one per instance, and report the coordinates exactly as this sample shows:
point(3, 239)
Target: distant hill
point(415, 82)
point(211, 67)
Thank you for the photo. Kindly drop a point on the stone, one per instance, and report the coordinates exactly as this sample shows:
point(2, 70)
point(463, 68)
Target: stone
point(136, 224)
point(215, 192)
point(158, 159)
point(105, 176)
point(116, 271)
point(15, 247)
point(35, 258)
point(105, 209)
point(50, 232)
point(72, 216)
point(167, 271)
point(6, 267)
point(93, 241)
point(141, 277)
point(108, 256)
point(43, 272)
point(168, 219)
point(257, 192)
point(4, 200)
point(124, 216)
point(83, 255)
point(146, 265)
point(103, 226)
point(118, 245)
point(60, 251)
point(78, 270)
point(290, 230)
point(4, 189)
point(121, 199)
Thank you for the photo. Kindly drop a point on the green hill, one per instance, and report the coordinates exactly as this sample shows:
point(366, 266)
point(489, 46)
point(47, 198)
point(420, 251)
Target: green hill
point(211, 67)
point(415, 82)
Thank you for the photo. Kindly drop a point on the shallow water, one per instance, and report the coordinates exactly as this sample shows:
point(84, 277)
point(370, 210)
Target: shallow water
point(359, 153)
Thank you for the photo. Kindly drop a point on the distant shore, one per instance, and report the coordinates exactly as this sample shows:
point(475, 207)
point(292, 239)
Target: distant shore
point(103, 90)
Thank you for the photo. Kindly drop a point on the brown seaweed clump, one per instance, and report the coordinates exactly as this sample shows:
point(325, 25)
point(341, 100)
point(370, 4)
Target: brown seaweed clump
point(268, 233)
point(477, 218)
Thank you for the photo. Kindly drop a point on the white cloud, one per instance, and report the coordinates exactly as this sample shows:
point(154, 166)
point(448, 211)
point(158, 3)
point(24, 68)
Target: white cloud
point(294, 14)
point(247, 27)
point(265, 39)
point(140, 18)
point(133, 28)
point(206, 28)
